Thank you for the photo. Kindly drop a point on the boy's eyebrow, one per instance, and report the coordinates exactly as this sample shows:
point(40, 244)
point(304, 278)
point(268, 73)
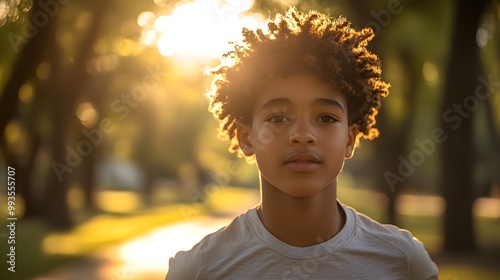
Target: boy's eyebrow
point(285, 101)
point(329, 102)
point(276, 102)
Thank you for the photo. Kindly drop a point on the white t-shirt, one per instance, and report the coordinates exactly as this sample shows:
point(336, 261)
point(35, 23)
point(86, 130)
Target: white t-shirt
point(363, 249)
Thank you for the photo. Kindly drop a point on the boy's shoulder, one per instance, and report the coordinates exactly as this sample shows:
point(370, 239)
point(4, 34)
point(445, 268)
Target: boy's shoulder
point(386, 240)
point(213, 247)
point(374, 232)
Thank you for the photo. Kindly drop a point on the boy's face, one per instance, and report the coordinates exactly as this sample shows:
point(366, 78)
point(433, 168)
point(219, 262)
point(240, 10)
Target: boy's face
point(299, 135)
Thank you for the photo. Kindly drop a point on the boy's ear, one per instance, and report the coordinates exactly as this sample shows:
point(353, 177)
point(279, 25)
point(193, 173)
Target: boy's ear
point(243, 133)
point(352, 134)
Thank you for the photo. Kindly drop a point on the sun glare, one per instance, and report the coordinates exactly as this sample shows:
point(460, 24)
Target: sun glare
point(201, 27)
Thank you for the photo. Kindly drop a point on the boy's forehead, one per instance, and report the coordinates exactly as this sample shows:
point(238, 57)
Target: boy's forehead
point(299, 89)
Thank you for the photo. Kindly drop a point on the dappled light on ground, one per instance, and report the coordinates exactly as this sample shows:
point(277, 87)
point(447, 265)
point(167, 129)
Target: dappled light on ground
point(118, 201)
point(57, 244)
point(106, 229)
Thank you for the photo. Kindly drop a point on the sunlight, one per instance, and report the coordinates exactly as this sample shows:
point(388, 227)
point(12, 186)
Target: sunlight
point(202, 27)
point(152, 252)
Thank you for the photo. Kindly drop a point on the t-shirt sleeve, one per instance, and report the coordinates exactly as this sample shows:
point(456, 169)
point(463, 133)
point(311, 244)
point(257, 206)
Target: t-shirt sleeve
point(420, 264)
point(182, 266)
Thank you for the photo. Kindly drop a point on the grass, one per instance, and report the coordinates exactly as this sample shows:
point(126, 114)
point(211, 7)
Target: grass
point(40, 250)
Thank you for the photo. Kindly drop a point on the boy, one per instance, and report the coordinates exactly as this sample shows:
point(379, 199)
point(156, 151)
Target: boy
point(297, 98)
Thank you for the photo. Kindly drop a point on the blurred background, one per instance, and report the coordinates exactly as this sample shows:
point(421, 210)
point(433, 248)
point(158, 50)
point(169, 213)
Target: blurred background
point(104, 126)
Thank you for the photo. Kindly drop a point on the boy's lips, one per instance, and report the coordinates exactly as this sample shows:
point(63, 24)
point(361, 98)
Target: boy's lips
point(302, 162)
point(302, 157)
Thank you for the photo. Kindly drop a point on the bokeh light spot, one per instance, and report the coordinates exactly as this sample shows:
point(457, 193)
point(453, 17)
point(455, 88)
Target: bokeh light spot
point(124, 47)
point(26, 93)
point(87, 114)
point(84, 20)
point(13, 132)
point(148, 37)
point(430, 72)
point(145, 18)
point(43, 70)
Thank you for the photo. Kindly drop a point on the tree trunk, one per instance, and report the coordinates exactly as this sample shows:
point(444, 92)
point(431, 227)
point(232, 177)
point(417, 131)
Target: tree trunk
point(495, 139)
point(24, 67)
point(66, 89)
point(457, 162)
point(393, 140)
point(32, 207)
point(390, 148)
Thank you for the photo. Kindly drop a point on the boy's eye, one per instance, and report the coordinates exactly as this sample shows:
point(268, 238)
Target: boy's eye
point(277, 119)
point(327, 119)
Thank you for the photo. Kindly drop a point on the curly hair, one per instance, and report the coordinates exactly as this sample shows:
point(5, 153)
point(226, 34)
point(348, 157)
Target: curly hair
point(298, 42)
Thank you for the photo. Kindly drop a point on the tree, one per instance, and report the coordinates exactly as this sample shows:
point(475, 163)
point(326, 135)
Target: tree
point(393, 139)
point(457, 162)
point(66, 86)
point(24, 68)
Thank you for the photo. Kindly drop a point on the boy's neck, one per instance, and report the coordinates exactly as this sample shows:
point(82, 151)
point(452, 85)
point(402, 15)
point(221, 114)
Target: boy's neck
point(301, 222)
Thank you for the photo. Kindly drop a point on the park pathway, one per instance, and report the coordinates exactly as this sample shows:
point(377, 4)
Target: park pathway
point(142, 258)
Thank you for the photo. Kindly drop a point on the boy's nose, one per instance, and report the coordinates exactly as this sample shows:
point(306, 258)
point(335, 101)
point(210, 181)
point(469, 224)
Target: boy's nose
point(302, 133)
